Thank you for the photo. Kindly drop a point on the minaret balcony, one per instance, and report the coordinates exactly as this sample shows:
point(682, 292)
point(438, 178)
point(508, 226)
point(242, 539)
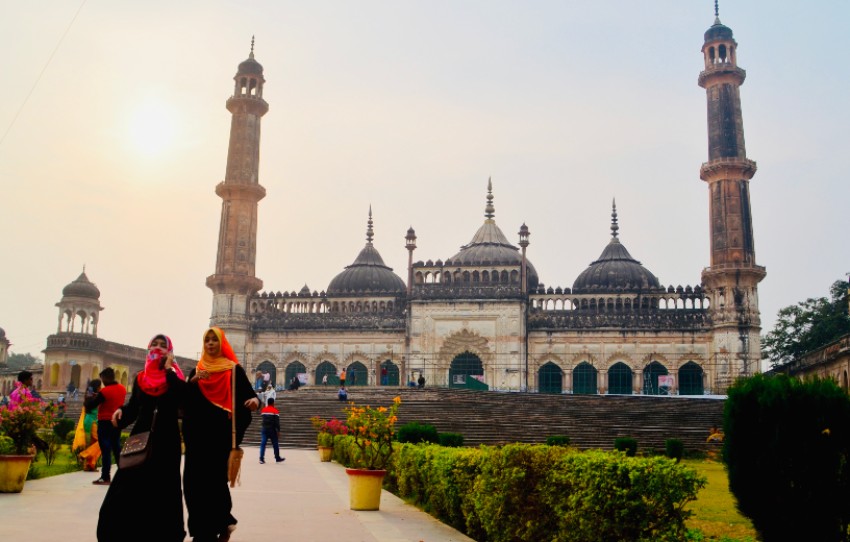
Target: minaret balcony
point(254, 105)
point(727, 168)
point(237, 190)
point(724, 72)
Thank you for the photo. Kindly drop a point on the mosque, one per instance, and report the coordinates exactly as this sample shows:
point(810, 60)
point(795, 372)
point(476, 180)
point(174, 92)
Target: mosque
point(482, 318)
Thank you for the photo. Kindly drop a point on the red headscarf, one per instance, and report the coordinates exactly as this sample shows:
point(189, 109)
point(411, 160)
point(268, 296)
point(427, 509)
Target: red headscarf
point(217, 388)
point(152, 379)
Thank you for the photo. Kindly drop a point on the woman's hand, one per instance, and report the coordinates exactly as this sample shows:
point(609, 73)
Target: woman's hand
point(116, 416)
point(252, 403)
point(169, 361)
point(201, 375)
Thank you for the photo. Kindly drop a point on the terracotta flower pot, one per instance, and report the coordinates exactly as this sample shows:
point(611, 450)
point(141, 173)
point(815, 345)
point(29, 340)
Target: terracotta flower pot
point(365, 488)
point(326, 453)
point(13, 472)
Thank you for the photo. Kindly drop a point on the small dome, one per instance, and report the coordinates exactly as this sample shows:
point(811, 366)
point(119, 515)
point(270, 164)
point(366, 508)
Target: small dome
point(489, 246)
point(368, 273)
point(615, 269)
point(251, 66)
point(718, 31)
point(81, 287)
point(305, 290)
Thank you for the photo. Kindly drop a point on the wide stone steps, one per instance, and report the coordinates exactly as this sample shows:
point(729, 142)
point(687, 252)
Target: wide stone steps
point(488, 417)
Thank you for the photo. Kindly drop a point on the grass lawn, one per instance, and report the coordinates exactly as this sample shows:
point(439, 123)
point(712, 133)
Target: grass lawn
point(65, 462)
point(714, 511)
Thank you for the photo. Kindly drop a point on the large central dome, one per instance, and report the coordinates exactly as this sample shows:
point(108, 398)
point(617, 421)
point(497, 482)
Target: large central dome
point(368, 273)
point(489, 246)
point(615, 270)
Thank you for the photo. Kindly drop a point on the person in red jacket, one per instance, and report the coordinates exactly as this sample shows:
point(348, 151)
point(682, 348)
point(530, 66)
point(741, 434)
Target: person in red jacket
point(271, 430)
point(109, 399)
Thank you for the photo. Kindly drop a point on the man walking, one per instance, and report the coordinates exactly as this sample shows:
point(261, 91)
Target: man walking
point(271, 429)
point(109, 399)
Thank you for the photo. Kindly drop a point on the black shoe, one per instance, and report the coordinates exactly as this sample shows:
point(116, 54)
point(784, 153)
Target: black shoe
point(101, 482)
point(280, 459)
point(262, 461)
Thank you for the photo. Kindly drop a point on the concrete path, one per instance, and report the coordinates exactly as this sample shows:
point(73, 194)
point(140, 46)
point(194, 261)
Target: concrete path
point(299, 500)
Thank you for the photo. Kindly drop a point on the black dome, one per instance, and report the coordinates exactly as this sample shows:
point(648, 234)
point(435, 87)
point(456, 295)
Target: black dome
point(81, 287)
point(489, 246)
point(615, 270)
point(251, 66)
point(368, 273)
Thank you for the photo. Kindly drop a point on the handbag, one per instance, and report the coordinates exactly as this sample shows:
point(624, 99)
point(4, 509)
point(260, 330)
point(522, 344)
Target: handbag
point(137, 449)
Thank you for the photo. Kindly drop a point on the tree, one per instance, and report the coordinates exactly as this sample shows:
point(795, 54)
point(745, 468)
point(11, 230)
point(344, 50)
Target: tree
point(807, 326)
point(22, 361)
point(787, 453)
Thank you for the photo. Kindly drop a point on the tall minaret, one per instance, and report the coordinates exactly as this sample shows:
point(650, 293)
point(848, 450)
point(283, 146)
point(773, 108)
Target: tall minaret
point(732, 279)
point(234, 280)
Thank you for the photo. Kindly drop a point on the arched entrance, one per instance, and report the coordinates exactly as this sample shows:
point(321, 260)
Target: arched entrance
point(690, 379)
point(650, 379)
point(585, 377)
point(549, 379)
point(356, 375)
point(326, 368)
point(389, 374)
point(54, 375)
point(75, 375)
point(462, 368)
point(292, 370)
point(268, 367)
point(620, 379)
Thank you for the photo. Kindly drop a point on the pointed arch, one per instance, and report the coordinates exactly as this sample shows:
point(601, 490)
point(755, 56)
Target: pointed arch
point(620, 379)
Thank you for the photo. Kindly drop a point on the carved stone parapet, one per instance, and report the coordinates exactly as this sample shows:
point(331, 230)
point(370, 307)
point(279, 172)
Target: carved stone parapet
point(253, 105)
point(692, 320)
point(230, 284)
point(307, 321)
point(451, 291)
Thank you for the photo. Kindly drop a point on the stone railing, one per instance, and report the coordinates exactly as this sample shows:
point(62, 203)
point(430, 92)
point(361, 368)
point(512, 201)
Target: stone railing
point(353, 321)
point(680, 319)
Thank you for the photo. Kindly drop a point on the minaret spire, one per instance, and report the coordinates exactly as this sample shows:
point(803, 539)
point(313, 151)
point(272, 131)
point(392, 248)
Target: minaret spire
point(614, 226)
point(251, 55)
point(370, 233)
point(489, 210)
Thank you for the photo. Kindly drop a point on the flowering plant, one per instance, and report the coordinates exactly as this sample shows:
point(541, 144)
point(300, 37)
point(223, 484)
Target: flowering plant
point(22, 423)
point(373, 430)
point(328, 429)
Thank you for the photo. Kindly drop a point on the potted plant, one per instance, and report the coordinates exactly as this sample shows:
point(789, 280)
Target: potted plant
point(327, 430)
point(19, 426)
point(373, 430)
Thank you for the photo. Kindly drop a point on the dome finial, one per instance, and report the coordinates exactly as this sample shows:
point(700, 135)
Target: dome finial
point(252, 48)
point(369, 232)
point(614, 226)
point(716, 12)
point(489, 210)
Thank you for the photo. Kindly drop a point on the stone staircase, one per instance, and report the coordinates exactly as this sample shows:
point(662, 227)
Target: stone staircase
point(488, 417)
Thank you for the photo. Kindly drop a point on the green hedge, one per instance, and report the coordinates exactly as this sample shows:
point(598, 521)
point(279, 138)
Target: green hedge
point(414, 432)
point(537, 492)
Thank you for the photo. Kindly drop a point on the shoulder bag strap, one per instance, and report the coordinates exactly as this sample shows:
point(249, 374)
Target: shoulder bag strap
point(233, 412)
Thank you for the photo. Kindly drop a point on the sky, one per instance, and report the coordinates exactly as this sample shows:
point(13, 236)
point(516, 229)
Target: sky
point(114, 134)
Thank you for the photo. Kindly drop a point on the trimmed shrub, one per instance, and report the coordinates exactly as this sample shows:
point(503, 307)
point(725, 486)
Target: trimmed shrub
point(63, 426)
point(626, 444)
point(415, 432)
point(674, 449)
point(534, 492)
point(451, 440)
point(558, 440)
point(787, 451)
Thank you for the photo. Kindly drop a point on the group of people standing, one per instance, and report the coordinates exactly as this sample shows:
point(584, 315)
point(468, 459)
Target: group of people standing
point(216, 401)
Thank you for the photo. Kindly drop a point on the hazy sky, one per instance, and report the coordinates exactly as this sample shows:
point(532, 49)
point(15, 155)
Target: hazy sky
point(117, 143)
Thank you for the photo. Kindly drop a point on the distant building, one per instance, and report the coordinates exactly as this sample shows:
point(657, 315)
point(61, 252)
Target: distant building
point(75, 354)
point(482, 317)
point(9, 375)
point(829, 361)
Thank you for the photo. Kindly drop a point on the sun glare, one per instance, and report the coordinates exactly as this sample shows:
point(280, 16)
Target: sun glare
point(153, 129)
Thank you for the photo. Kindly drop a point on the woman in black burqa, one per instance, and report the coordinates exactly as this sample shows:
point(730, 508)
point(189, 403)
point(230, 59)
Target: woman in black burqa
point(146, 502)
point(207, 427)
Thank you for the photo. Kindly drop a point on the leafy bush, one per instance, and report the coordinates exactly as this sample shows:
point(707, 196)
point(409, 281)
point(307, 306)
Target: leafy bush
point(415, 432)
point(7, 445)
point(451, 440)
point(674, 449)
point(787, 449)
point(534, 492)
point(558, 440)
point(62, 427)
point(626, 444)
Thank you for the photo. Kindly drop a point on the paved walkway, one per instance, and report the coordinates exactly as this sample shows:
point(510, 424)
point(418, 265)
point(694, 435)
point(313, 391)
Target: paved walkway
point(299, 500)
